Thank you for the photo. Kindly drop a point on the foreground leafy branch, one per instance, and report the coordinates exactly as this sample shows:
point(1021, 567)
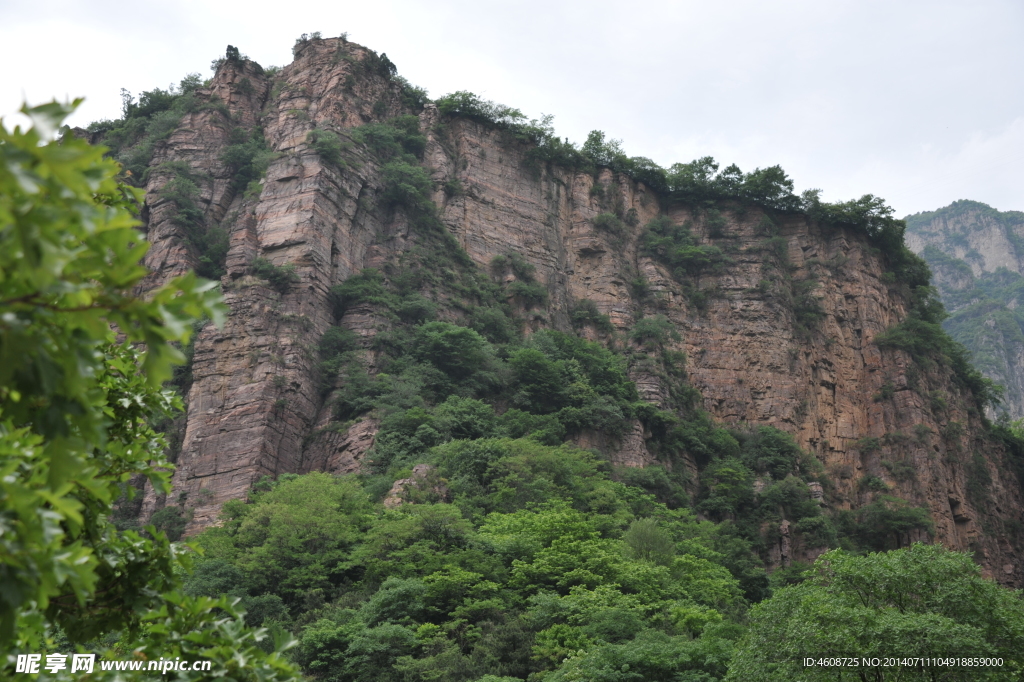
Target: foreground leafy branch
point(76, 403)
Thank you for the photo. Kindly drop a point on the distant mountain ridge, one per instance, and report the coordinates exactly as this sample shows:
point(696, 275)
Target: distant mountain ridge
point(976, 254)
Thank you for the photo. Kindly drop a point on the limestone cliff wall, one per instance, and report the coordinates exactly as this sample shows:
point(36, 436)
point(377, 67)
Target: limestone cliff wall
point(255, 407)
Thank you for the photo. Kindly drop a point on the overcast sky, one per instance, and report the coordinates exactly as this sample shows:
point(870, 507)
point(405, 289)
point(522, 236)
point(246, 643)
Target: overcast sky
point(919, 102)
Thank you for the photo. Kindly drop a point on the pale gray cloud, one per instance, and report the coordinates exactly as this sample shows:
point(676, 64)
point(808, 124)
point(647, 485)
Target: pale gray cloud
point(919, 102)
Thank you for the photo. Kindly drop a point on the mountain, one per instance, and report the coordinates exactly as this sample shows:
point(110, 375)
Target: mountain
point(976, 255)
point(381, 253)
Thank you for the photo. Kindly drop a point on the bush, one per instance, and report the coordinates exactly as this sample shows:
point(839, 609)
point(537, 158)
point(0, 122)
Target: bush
point(280, 277)
point(407, 186)
point(471, 106)
point(415, 309)
point(459, 352)
point(171, 520)
point(585, 312)
point(328, 146)
point(887, 523)
point(494, 324)
point(247, 157)
point(716, 223)
point(910, 599)
point(768, 450)
point(807, 310)
point(609, 222)
point(210, 243)
point(667, 487)
point(336, 342)
point(365, 287)
point(529, 294)
point(872, 483)
point(675, 246)
point(887, 392)
point(544, 429)
point(654, 331)
point(393, 138)
point(519, 266)
point(464, 418)
point(922, 336)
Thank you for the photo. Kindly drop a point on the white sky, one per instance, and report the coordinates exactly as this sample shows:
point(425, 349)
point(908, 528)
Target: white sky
point(919, 102)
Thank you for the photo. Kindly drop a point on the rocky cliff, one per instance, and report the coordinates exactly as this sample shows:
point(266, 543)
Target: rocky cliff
point(976, 255)
point(779, 333)
point(986, 239)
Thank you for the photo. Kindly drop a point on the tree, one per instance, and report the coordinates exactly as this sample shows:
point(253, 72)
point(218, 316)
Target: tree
point(923, 601)
point(75, 408)
point(293, 539)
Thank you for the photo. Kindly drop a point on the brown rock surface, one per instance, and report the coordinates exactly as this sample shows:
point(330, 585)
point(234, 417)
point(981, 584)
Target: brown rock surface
point(423, 480)
point(256, 408)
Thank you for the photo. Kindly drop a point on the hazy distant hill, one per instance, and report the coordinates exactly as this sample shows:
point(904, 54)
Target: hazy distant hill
point(976, 254)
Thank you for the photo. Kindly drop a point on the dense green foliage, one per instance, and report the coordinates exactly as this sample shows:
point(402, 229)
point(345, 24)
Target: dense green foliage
point(490, 416)
point(247, 157)
point(75, 411)
point(923, 600)
point(870, 215)
point(434, 375)
point(144, 123)
point(585, 313)
point(526, 561)
point(153, 118)
point(528, 554)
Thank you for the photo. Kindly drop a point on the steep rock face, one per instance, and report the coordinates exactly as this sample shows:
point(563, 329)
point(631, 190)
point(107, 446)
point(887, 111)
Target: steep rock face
point(985, 238)
point(746, 354)
point(256, 406)
point(254, 394)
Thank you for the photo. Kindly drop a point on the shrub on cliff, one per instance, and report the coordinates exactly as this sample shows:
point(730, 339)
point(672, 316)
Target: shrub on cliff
point(459, 352)
point(365, 287)
point(393, 138)
point(408, 186)
point(247, 157)
point(328, 146)
point(886, 523)
point(585, 312)
point(209, 242)
point(468, 105)
point(654, 331)
point(280, 277)
point(676, 247)
point(144, 123)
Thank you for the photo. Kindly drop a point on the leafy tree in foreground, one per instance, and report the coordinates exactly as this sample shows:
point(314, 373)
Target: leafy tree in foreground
point(75, 409)
point(923, 601)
